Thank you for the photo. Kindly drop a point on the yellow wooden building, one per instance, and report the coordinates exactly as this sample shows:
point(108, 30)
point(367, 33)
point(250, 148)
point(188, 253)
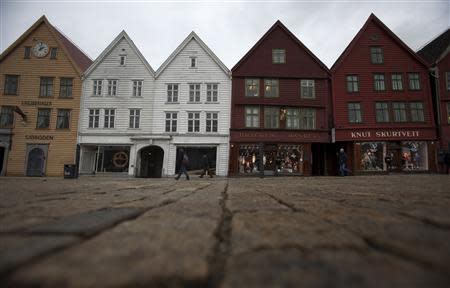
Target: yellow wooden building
point(40, 89)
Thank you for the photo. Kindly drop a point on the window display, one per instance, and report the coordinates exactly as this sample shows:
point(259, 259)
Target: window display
point(414, 156)
point(290, 159)
point(249, 159)
point(113, 158)
point(372, 156)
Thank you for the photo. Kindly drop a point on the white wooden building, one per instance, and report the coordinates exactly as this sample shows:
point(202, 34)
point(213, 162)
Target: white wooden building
point(192, 106)
point(116, 110)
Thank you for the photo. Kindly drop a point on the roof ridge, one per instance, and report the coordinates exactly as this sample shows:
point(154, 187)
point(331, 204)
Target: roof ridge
point(70, 40)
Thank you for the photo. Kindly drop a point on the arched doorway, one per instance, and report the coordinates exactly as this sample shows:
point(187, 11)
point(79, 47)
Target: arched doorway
point(151, 162)
point(36, 162)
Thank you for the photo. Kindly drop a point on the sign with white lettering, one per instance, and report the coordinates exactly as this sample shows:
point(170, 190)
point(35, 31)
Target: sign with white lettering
point(385, 134)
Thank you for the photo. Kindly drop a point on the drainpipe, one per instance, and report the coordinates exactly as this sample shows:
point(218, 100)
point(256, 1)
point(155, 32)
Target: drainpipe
point(434, 72)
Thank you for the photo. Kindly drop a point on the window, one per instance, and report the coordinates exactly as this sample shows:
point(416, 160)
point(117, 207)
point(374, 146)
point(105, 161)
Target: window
point(448, 112)
point(416, 109)
point(292, 119)
point(135, 115)
point(399, 111)
point(307, 89)
point(252, 87)
point(278, 56)
point(382, 111)
point(171, 121)
point(193, 62)
point(109, 118)
point(172, 93)
point(123, 59)
point(414, 81)
point(354, 113)
point(7, 117)
point(112, 87)
point(447, 78)
point(97, 91)
point(378, 82)
point(65, 87)
point(94, 118)
point(271, 116)
point(53, 53)
point(212, 92)
point(251, 117)
point(194, 92)
point(11, 84)
point(193, 121)
point(27, 52)
point(46, 87)
point(43, 118)
point(352, 83)
point(270, 88)
point(212, 119)
point(137, 88)
point(63, 120)
point(397, 82)
point(307, 118)
point(376, 55)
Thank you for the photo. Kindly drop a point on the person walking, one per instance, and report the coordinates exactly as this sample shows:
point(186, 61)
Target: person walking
point(205, 166)
point(184, 162)
point(342, 157)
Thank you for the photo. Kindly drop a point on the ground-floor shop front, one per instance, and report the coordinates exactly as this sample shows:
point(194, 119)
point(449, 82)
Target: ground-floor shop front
point(395, 150)
point(278, 153)
point(150, 156)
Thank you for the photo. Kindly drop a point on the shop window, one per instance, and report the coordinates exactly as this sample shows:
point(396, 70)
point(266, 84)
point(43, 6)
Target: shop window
point(307, 89)
point(382, 111)
point(194, 93)
point(416, 109)
point(251, 117)
point(376, 55)
point(270, 88)
point(271, 117)
point(352, 83)
point(414, 156)
point(414, 81)
point(249, 159)
point(289, 159)
point(378, 82)
point(113, 159)
point(371, 156)
point(252, 87)
point(399, 109)
point(397, 82)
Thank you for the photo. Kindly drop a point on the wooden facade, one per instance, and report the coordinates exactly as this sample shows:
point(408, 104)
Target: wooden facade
point(279, 148)
point(382, 103)
point(41, 151)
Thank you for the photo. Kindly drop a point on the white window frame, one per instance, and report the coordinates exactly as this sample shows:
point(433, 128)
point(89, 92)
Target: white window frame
point(212, 122)
point(212, 92)
point(397, 82)
point(413, 83)
point(171, 121)
point(272, 86)
point(192, 62)
point(109, 118)
point(251, 82)
point(135, 118)
point(193, 122)
point(137, 88)
point(271, 117)
point(97, 87)
point(94, 118)
point(379, 82)
point(172, 92)
point(112, 87)
point(292, 118)
point(307, 85)
point(278, 56)
point(307, 118)
point(399, 111)
point(124, 58)
point(354, 115)
point(195, 90)
point(416, 111)
point(252, 116)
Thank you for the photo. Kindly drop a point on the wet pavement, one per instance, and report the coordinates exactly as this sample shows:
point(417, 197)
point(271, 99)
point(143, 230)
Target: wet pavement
point(364, 231)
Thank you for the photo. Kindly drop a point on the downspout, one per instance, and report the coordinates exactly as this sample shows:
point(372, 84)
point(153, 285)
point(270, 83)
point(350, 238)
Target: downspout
point(434, 72)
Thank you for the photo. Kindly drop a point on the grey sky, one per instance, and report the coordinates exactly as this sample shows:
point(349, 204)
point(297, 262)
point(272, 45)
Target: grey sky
point(230, 28)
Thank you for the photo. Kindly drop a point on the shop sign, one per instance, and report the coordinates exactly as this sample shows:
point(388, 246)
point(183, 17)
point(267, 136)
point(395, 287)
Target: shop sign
point(275, 135)
point(39, 137)
point(37, 103)
point(385, 134)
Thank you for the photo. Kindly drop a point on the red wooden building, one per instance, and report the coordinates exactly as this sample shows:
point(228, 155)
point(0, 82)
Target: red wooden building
point(437, 53)
point(280, 108)
point(382, 103)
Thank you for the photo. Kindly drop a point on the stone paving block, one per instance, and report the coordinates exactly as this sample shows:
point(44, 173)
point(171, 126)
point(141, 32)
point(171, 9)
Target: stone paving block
point(326, 268)
point(87, 223)
point(17, 250)
point(279, 229)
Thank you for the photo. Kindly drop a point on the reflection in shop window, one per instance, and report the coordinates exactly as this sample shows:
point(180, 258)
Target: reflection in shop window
point(113, 159)
point(289, 159)
point(372, 156)
point(249, 159)
point(414, 156)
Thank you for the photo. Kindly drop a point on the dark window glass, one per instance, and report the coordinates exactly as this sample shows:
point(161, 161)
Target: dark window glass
point(27, 52)
point(53, 53)
point(352, 83)
point(46, 87)
point(382, 111)
point(65, 87)
point(63, 120)
point(43, 118)
point(354, 113)
point(7, 117)
point(11, 84)
point(376, 55)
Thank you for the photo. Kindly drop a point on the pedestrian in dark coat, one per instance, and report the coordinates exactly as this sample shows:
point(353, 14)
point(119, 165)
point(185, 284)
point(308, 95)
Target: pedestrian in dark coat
point(342, 157)
point(183, 161)
point(205, 166)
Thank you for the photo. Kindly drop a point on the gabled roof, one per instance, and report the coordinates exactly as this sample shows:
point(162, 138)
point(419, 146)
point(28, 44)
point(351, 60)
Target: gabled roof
point(437, 48)
point(373, 19)
point(260, 41)
point(192, 36)
point(78, 58)
point(111, 46)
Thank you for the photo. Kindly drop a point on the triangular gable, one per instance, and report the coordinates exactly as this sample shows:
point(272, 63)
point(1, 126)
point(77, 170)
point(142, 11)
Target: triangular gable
point(296, 40)
point(374, 19)
point(79, 60)
point(437, 48)
point(180, 48)
point(111, 46)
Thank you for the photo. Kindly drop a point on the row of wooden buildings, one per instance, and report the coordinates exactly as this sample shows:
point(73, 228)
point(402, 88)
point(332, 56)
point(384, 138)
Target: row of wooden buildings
point(279, 111)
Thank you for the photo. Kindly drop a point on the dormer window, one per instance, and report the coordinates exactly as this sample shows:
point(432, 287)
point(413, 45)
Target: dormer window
point(193, 62)
point(123, 59)
point(278, 56)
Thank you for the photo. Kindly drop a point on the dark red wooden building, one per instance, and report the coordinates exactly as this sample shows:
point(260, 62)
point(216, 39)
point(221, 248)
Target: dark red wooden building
point(382, 103)
point(280, 108)
point(437, 53)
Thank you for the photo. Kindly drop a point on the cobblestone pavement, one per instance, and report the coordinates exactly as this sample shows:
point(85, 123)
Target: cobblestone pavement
point(365, 231)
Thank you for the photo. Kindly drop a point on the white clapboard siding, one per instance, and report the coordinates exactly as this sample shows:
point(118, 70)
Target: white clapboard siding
point(177, 70)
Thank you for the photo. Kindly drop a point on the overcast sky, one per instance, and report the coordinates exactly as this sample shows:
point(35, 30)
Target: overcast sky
point(229, 27)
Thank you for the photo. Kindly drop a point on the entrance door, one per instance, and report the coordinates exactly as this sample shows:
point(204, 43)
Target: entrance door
point(2, 158)
point(269, 159)
point(36, 161)
point(151, 162)
point(395, 151)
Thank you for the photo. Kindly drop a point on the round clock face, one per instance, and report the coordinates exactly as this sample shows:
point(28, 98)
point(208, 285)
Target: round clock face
point(40, 49)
